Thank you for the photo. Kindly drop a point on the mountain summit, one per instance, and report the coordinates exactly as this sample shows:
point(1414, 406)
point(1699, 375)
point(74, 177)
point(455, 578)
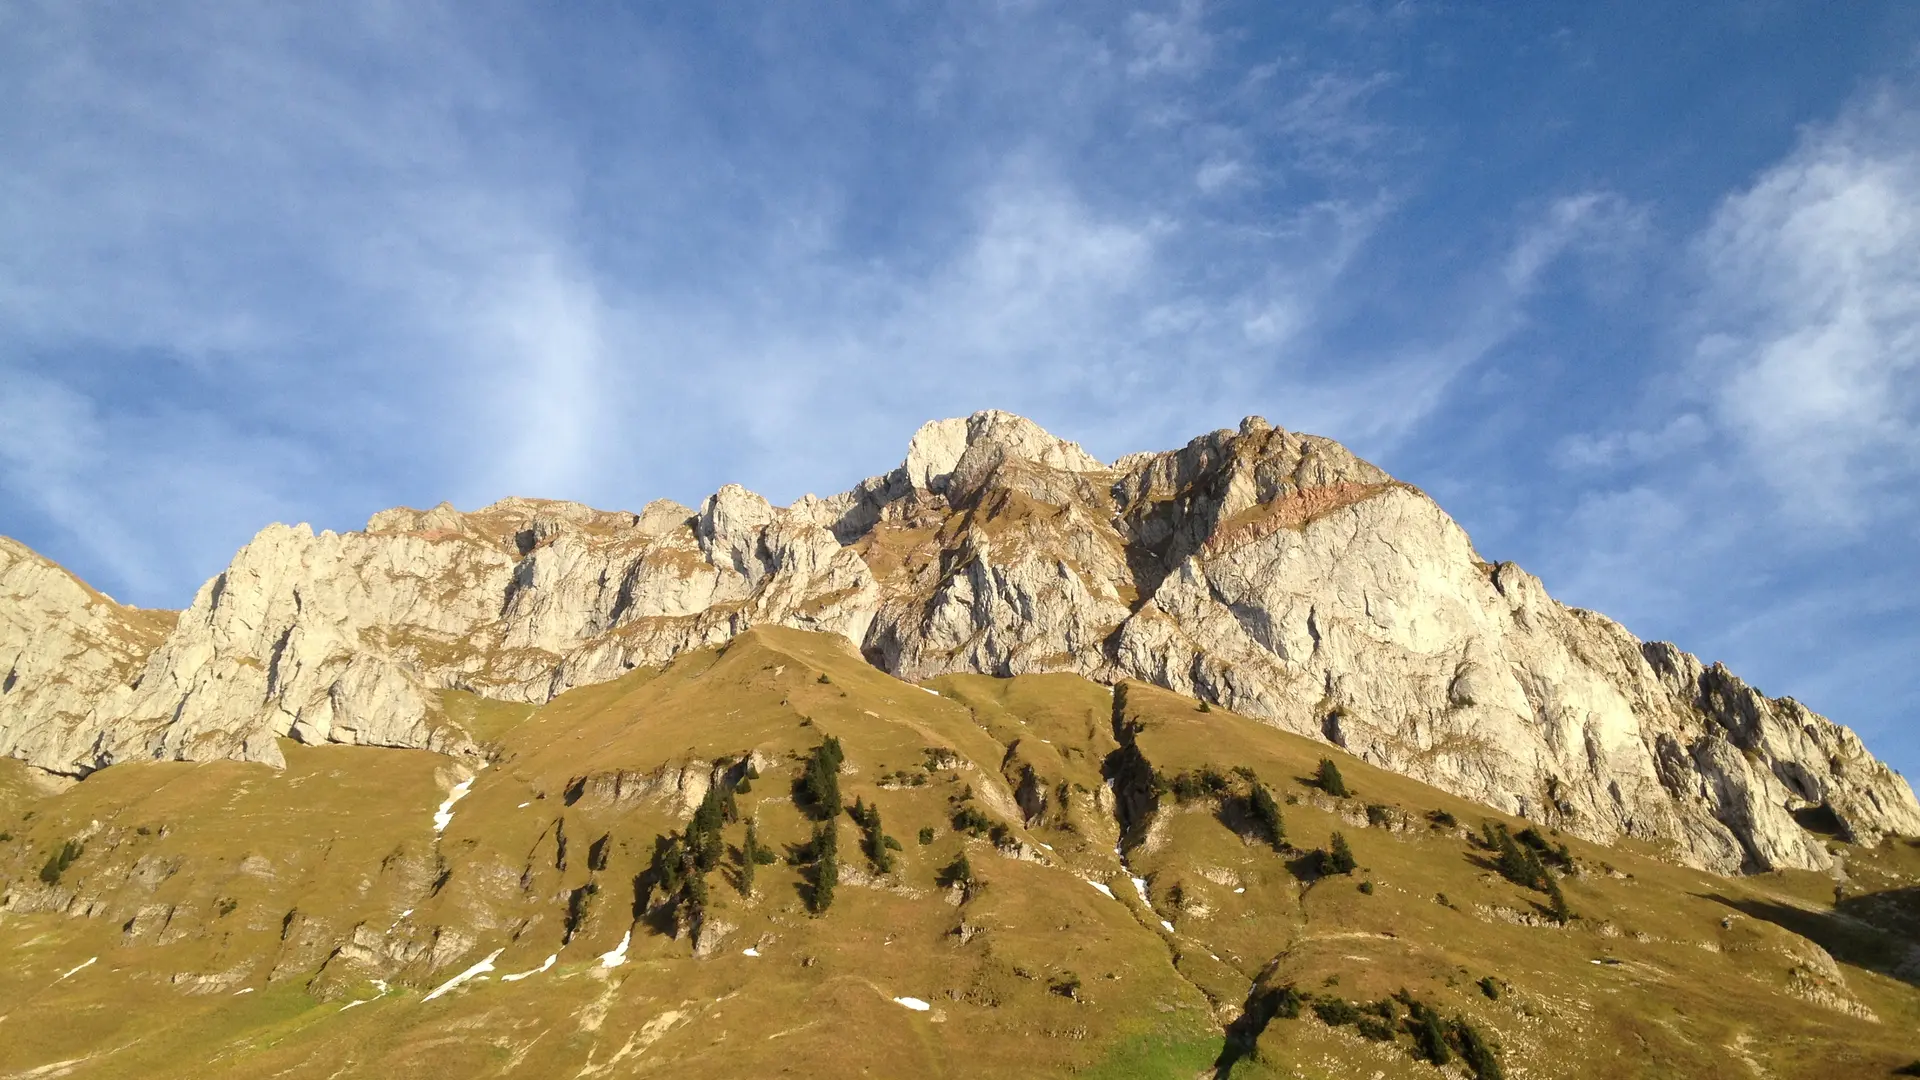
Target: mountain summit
point(1271, 573)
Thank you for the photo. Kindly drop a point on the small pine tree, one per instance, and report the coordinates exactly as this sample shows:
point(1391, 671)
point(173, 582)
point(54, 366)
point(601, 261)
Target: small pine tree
point(1490, 988)
point(926, 835)
point(1429, 1036)
point(958, 872)
point(826, 869)
point(1204, 706)
point(1329, 780)
point(58, 862)
point(822, 780)
point(1557, 901)
point(1477, 1052)
point(1268, 813)
point(1338, 858)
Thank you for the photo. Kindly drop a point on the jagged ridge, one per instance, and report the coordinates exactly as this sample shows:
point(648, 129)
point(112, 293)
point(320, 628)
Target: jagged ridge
point(1268, 571)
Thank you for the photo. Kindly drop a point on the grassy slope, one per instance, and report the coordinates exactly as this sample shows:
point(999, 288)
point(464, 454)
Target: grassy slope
point(213, 928)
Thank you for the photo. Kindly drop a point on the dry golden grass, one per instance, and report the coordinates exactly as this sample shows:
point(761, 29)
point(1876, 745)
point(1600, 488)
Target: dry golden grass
point(215, 929)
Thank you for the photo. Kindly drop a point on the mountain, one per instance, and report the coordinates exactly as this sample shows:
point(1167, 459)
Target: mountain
point(770, 857)
point(1271, 573)
point(1231, 761)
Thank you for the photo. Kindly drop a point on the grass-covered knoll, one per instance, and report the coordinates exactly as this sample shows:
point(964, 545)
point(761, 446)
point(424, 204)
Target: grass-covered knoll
point(244, 922)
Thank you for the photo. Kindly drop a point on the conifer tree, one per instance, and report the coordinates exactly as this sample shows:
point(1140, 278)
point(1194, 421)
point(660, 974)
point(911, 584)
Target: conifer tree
point(826, 869)
point(1557, 901)
point(1429, 1036)
point(822, 780)
point(1268, 813)
point(1339, 857)
point(1477, 1052)
point(958, 872)
point(1329, 780)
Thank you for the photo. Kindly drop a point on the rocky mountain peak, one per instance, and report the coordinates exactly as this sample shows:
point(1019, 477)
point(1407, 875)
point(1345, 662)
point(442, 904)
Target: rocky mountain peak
point(1267, 571)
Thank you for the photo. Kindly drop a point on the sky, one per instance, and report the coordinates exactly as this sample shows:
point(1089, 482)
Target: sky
point(1632, 289)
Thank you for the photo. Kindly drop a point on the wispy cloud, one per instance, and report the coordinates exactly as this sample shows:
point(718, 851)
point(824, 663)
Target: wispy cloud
point(1809, 347)
point(1769, 469)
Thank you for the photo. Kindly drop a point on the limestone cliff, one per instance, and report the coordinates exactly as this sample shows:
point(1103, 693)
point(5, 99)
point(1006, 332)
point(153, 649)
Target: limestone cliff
point(1273, 573)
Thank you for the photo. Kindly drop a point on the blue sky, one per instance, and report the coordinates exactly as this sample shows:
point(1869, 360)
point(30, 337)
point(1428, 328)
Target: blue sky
point(1633, 289)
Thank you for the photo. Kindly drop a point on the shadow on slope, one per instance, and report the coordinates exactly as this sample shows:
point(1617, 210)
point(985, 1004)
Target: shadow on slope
point(1877, 931)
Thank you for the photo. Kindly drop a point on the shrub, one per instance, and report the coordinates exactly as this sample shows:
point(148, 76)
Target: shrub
point(970, 820)
point(1477, 1052)
point(1378, 816)
point(1373, 1027)
point(1490, 988)
point(1429, 1035)
point(1335, 1012)
point(958, 872)
point(1204, 707)
point(1286, 1004)
point(226, 906)
point(926, 835)
point(1367, 887)
point(1908, 1070)
point(824, 681)
point(1442, 819)
point(58, 862)
point(1328, 779)
point(1338, 858)
point(1267, 812)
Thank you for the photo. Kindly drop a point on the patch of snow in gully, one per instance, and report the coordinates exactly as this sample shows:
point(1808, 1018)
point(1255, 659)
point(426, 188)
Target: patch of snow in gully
point(475, 971)
point(523, 974)
point(619, 955)
point(443, 817)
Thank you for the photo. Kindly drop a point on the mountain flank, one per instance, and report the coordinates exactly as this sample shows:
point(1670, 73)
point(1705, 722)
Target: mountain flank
point(770, 857)
point(1270, 573)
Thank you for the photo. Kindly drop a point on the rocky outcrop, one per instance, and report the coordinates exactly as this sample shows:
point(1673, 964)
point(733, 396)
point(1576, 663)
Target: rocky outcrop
point(1270, 572)
point(70, 658)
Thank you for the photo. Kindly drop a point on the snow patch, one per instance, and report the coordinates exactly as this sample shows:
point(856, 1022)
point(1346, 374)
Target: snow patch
point(1140, 886)
point(913, 1003)
point(931, 690)
point(475, 971)
point(94, 959)
point(1104, 891)
point(1167, 925)
point(619, 954)
point(523, 974)
point(444, 816)
point(749, 952)
point(523, 806)
point(1241, 889)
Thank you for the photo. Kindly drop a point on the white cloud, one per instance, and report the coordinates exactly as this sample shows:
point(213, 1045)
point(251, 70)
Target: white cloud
point(1809, 342)
point(1168, 42)
point(1685, 432)
point(1758, 507)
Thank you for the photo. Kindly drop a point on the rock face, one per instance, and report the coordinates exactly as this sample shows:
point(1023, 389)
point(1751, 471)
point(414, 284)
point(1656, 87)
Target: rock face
point(1270, 572)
